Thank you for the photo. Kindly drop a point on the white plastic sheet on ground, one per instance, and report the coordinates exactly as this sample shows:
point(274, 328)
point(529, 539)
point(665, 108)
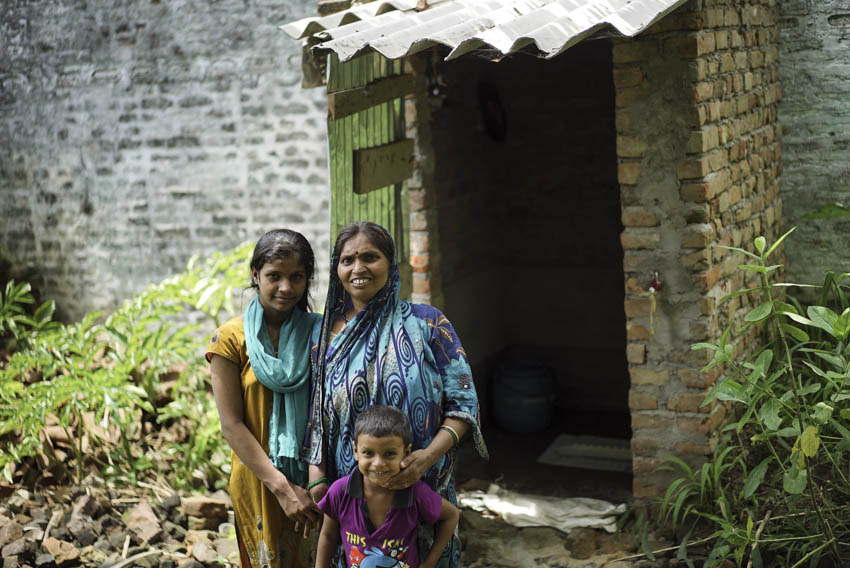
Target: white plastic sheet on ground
point(522, 510)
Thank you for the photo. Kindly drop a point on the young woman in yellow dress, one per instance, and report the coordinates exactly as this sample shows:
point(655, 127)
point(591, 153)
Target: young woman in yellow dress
point(260, 367)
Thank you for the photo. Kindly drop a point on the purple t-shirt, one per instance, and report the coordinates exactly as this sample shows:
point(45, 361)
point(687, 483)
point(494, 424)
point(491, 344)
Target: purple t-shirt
point(393, 544)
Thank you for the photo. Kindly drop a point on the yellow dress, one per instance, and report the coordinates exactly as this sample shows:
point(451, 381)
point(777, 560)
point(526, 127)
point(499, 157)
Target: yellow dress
point(265, 534)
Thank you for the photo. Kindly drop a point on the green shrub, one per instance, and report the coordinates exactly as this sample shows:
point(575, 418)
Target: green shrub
point(16, 324)
point(777, 487)
point(95, 388)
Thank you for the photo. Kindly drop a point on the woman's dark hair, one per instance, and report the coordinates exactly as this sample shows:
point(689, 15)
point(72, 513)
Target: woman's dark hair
point(380, 421)
point(282, 243)
point(376, 234)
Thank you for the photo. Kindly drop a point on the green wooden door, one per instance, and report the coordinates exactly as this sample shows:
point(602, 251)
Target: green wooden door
point(375, 127)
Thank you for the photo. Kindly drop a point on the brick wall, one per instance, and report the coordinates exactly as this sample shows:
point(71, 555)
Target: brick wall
point(815, 113)
point(453, 206)
point(698, 146)
point(423, 257)
point(135, 134)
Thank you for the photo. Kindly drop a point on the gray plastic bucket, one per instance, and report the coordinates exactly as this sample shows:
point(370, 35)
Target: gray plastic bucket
point(523, 396)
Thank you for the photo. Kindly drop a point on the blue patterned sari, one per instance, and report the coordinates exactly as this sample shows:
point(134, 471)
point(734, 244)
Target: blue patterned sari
point(396, 353)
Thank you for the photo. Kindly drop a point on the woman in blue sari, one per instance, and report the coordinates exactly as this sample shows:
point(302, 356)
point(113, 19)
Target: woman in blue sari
point(375, 348)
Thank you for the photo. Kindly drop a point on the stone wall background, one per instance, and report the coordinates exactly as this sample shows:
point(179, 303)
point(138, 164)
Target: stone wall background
point(815, 114)
point(135, 133)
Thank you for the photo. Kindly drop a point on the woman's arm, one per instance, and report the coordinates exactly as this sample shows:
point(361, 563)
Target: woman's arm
point(317, 473)
point(446, 524)
point(227, 389)
point(328, 540)
point(459, 399)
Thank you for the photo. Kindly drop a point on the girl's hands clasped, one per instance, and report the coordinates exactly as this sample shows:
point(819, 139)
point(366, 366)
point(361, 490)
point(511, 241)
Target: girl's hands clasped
point(298, 506)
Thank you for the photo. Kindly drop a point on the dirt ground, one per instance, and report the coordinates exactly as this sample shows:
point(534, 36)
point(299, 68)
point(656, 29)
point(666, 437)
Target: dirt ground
point(99, 527)
point(492, 543)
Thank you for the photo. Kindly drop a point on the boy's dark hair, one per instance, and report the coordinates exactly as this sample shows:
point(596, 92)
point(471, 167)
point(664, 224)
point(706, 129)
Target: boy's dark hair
point(380, 421)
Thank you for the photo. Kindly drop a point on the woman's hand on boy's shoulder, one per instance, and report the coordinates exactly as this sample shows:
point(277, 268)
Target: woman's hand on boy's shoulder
point(414, 467)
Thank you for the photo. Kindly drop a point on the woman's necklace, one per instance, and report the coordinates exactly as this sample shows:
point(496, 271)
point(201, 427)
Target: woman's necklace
point(273, 337)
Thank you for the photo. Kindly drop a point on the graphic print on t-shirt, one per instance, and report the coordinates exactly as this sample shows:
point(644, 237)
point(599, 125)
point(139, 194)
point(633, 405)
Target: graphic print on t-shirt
point(377, 558)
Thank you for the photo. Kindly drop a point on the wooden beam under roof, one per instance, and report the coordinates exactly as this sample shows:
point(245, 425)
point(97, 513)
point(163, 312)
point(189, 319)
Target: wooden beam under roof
point(349, 101)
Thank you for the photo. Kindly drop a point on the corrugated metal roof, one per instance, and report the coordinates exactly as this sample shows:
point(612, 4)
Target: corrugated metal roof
point(394, 28)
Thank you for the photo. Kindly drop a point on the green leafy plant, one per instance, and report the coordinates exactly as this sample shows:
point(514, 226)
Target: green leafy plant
point(200, 455)
point(787, 449)
point(707, 494)
point(95, 390)
point(698, 489)
point(15, 319)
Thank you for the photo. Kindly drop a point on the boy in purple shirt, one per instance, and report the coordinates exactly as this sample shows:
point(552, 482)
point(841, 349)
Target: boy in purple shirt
point(377, 525)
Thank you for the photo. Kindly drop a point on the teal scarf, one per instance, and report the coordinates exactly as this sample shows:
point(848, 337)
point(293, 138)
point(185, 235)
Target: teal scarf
point(288, 376)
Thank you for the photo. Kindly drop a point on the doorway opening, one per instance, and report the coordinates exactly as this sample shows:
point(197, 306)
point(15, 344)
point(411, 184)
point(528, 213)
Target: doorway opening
point(529, 221)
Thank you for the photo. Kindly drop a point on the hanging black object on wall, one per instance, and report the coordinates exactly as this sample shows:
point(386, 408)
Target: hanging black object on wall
point(493, 115)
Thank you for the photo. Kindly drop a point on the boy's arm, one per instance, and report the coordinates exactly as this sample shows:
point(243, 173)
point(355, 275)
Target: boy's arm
point(446, 524)
point(328, 540)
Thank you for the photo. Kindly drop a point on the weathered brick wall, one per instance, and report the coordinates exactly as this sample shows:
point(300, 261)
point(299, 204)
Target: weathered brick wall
point(462, 173)
point(436, 260)
point(815, 114)
point(698, 146)
point(135, 134)
point(423, 215)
